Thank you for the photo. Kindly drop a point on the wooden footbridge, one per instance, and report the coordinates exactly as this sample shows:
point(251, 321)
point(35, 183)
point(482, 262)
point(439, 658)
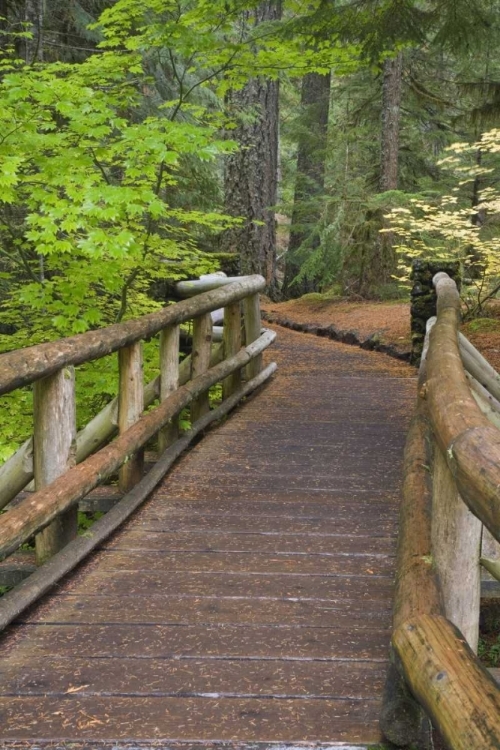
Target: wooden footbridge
point(243, 598)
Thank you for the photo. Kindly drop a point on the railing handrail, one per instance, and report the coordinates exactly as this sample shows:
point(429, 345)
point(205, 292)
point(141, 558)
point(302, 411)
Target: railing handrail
point(35, 512)
point(24, 366)
point(432, 657)
point(467, 438)
point(67, 466)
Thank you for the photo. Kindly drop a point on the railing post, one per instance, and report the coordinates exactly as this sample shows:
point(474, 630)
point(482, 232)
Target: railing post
point(130, 408)
point(456, 544)
point(169, 380)
point(54, 452)
point(232, 345)
point(251, 309)
point(200, 361)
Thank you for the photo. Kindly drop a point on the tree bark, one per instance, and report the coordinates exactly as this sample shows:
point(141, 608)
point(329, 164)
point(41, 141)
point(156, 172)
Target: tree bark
point(251, 174)
point(391, 116)
point(34, 17)
point(310, 181)
point(378, 262)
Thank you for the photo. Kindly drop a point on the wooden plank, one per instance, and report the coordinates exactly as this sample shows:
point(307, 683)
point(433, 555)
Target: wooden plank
point(284, 641)
point(187, 609)
point(274, 506)
point(268, 542)
point(17, 600)
point(275, 678)
point(245, 523)
point(156, 718)
point(371, 591)
point(251, 562)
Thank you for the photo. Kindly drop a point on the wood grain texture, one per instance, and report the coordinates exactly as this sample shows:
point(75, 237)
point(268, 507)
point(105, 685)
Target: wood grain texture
point(169, 380)
point(232, 344)
point(456, 691)
point(200, 361)
point(54, 448)
point(456, 548)
point(130, 408)
point(251, 312)
point(246, 608)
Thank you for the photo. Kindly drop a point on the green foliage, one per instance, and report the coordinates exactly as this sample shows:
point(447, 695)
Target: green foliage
point(84, 190)
point(489, 653)
point(450, 227)
point(92, 208)
point(86, 521)
point(215, 395)
point(16, 421)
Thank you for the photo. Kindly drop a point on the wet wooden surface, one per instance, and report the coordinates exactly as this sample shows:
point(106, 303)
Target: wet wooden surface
point(249, 601)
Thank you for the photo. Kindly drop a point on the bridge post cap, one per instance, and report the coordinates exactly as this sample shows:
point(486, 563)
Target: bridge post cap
point(443, 278)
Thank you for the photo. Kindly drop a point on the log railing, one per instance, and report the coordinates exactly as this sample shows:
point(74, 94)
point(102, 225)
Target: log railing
point(451, 489)
point(66, 466)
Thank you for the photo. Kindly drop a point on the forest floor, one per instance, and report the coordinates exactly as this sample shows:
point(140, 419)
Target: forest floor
point(389, 322)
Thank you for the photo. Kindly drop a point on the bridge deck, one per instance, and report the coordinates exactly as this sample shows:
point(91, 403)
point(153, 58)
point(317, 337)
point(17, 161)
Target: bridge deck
point(249, 600)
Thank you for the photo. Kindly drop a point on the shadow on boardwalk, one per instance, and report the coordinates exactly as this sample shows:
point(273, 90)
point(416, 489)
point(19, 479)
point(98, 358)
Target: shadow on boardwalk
point(249, 600)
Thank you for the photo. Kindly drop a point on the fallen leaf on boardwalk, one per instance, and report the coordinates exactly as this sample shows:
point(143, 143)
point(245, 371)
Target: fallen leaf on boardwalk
point(76, 689)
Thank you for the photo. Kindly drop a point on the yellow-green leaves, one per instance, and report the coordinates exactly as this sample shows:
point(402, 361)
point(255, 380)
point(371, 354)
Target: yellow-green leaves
point(462, 226)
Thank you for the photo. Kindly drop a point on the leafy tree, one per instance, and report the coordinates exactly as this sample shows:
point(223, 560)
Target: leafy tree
point(86, 188)
point(442, 229)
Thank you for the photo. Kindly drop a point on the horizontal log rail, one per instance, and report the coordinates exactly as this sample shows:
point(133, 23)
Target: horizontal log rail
point(24, 366)
point(66, 466)
point(451, 485)
point(466, 437)
point(17, 472)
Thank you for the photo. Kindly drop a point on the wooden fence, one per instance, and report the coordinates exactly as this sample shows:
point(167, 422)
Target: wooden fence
point(451, 499)
point(66, 466)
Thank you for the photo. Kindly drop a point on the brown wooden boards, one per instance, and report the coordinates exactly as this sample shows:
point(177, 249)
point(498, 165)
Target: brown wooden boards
point(350, 644)
point(249, 600)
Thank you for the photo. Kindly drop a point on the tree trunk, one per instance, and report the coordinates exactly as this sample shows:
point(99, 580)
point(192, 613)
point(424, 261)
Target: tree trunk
point(309, 183)
point(391, 115)
point(250, 179)
point(34, 16)
point(379, 263)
